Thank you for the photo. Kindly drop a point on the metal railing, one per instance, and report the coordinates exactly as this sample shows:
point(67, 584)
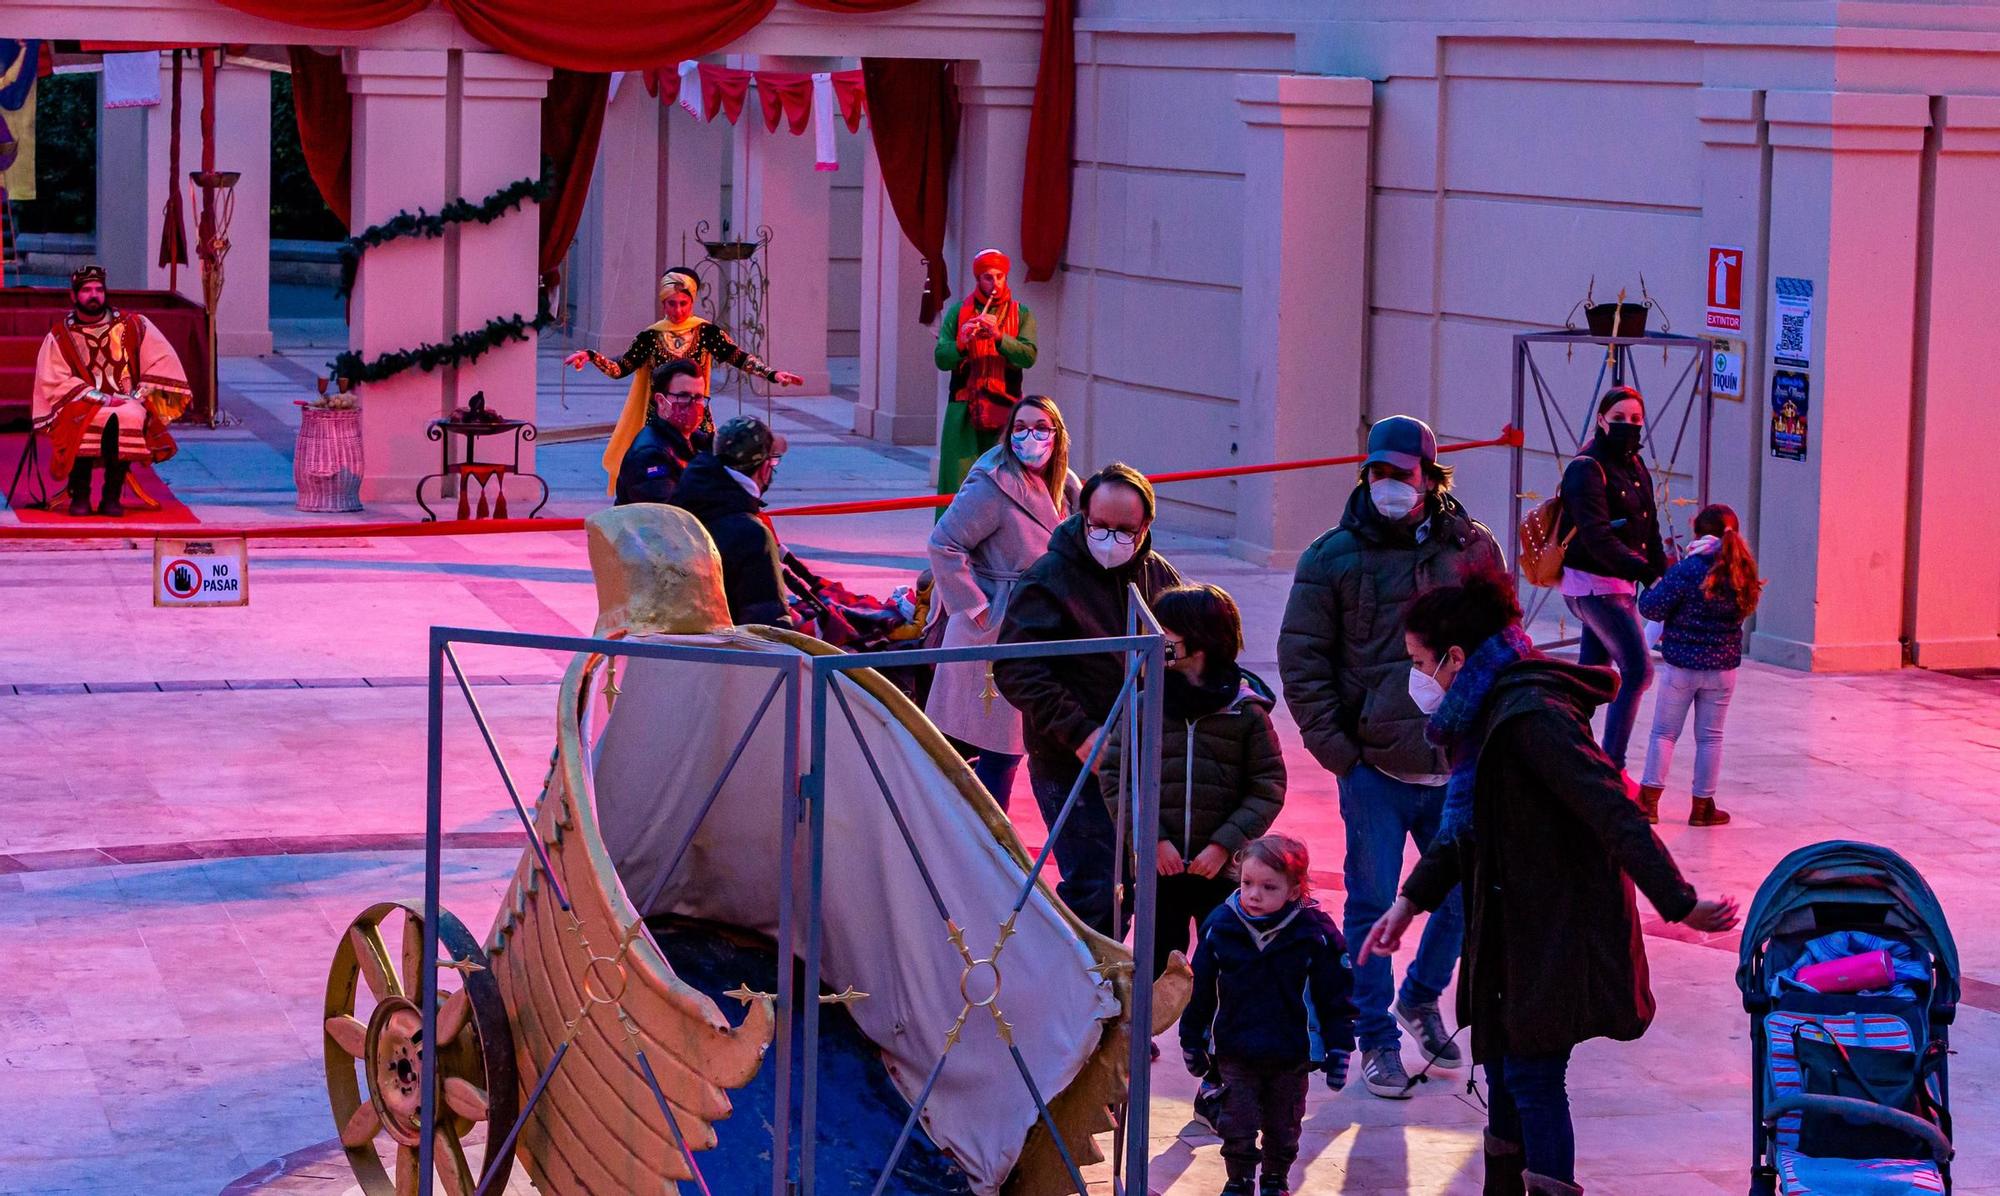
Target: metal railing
point(1138, 704)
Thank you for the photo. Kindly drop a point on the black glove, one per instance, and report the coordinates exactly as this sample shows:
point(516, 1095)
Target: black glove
point(1335, 1068)
point(1199, 1063)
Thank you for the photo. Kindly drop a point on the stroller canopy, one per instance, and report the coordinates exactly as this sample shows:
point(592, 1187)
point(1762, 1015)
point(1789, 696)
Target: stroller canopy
point(1852, 874)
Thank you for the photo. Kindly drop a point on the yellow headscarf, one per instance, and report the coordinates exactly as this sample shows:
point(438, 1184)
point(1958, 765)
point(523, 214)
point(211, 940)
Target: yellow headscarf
point(639, 396)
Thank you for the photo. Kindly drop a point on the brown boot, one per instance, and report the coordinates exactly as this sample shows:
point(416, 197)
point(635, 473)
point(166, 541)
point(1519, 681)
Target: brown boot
point(79, 486)
point(1704, 813)
point(1649, 801)
point(1503, 1168)
point(111, 501)
point(1542, 1185)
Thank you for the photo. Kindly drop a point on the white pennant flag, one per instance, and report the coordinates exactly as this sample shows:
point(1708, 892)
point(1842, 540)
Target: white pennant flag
point(690, 97)
point(826, 111)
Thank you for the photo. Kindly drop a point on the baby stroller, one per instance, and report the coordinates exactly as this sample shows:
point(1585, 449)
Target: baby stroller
point(1850, 977)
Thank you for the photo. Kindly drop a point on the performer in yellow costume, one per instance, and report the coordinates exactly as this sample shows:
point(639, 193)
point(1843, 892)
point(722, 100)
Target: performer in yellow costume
point(107, 383)
point(682, 334)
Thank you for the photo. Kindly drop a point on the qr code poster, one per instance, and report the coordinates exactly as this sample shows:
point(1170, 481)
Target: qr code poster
point(1791, 330)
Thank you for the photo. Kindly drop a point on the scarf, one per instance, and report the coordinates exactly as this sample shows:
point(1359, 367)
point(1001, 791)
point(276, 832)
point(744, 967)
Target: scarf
point(1187, 700)
point(985, 369)
point(1265, 930)
point(1452, 726)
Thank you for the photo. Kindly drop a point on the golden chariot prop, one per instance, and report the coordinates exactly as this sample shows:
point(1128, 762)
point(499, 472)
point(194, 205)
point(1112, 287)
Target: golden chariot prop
point(713, 784)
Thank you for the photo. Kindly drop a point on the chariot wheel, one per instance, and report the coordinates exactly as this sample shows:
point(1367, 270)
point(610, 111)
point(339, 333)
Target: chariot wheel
point(374, 1054)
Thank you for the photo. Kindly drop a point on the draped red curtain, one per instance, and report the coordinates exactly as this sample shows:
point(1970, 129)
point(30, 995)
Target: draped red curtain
point(1045, 184)
point(913, 116)
point(325, 116)
point(609, 35)
point(572, 120)
point(332, 14)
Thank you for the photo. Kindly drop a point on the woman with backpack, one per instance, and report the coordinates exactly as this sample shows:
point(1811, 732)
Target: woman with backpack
point(1702, 604)
point(1607, 502)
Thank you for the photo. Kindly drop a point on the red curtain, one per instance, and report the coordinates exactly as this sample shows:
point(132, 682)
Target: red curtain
point(913, 116)
point(332, 14)
point(609, 35)
point(1051, 145)
point(325, 115)
point(572, 119)
point(855, 5)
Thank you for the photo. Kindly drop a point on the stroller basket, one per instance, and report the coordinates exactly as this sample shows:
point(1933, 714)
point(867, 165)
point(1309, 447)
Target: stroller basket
point(1850, 1089)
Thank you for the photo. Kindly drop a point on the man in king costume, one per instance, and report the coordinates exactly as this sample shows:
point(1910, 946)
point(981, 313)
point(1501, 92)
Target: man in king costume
point(985, 341)
point(107, 383)
point(681, 335)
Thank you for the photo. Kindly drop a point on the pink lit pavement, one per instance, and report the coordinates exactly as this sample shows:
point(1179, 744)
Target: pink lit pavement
point(200, 801)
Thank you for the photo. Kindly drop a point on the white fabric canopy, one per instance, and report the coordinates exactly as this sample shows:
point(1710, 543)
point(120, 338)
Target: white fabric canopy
point(666, 742)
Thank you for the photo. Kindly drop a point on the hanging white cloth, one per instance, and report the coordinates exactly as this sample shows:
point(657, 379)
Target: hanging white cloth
point(690, 97)
point(826, 111)
point(132, 80)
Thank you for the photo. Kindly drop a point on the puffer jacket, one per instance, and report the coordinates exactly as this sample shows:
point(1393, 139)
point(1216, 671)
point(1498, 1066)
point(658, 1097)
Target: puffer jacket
point(1553, 953)
point(1222, 771)
point(752, 564)
point(1067, 595)
point(1262, 986)
point(1340, 649)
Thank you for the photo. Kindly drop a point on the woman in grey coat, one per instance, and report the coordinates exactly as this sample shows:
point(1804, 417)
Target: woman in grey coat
point(998, 525)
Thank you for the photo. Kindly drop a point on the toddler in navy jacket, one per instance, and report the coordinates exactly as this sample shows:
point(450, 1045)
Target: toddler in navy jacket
point(1271, 975)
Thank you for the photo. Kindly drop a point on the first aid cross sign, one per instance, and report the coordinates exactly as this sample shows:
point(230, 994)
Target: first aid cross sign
point(1725, 288)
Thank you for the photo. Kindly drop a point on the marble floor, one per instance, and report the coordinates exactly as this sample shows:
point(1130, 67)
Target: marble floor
point(198, 803)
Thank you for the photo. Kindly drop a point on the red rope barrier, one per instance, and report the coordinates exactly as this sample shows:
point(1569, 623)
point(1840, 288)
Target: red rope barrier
point(1508, 437)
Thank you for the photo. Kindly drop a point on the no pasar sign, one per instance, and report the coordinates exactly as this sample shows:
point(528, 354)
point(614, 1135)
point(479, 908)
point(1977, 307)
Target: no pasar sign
point(201, 573)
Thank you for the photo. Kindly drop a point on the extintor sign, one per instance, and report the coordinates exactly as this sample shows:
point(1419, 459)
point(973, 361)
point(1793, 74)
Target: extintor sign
point(201, 573)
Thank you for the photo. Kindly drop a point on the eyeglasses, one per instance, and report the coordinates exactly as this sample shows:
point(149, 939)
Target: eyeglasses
point(685, 399)
point(1174, 650)
point(1036, 433)
point(1114, 535)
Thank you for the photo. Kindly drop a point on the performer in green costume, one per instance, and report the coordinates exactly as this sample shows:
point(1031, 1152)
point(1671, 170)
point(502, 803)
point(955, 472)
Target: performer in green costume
point(985, 340)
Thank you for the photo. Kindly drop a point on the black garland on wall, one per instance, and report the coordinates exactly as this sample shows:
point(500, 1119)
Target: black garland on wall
point(466, 346)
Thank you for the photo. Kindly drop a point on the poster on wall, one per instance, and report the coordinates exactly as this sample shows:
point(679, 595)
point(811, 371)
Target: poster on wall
point(1791, 413)
point(1725, 371)
point(1725, 288)
point(1791, 324)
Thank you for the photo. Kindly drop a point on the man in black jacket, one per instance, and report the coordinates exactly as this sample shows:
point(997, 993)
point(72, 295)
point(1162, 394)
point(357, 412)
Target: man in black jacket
point(724, 489)
point(660, 453)
point(1347, 683)
point(1078, 591)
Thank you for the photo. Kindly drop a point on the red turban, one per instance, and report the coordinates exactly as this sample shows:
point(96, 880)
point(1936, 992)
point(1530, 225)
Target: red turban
point(988, 258)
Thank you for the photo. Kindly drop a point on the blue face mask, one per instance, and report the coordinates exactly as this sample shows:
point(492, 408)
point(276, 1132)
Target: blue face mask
point(1033, 447)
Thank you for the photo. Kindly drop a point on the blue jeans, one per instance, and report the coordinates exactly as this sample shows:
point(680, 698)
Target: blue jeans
point(1612, 635)
point(1083, 849)
point(996, 770)
point(1706, 690)
point(1380, 812)
point(1527, 1101)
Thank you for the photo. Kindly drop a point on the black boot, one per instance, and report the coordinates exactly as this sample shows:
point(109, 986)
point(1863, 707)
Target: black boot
point(79, 486)
point(1503, 1168)
point(111, 500)
point(1242, 1178)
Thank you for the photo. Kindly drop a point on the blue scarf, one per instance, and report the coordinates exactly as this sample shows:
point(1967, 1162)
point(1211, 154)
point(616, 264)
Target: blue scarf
point(1451, 728)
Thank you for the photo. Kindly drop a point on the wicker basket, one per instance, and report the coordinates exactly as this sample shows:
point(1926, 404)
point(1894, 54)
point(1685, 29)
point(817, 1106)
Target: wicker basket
point(326, 466)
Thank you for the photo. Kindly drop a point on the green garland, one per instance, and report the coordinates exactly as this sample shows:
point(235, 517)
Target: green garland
point(426, 224)
point(465, 347)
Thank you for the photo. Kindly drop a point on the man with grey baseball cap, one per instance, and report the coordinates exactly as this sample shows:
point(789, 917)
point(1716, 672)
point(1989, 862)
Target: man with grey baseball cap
point(1347, 683)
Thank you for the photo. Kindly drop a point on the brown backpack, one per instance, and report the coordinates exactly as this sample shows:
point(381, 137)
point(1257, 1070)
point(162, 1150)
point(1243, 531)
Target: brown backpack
point(1543, 542)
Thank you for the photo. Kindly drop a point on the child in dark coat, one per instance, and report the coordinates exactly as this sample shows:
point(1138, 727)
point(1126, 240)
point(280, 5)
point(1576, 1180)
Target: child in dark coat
point(1271, 973)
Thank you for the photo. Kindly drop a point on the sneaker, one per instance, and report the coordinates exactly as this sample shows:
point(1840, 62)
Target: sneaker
point(1240, 1187)
point(1382, 1070)
point(1208, 1106)
point(1424, 1024)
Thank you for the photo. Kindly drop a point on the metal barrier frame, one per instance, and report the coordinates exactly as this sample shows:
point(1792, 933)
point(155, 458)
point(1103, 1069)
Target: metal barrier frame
point(1139, 703)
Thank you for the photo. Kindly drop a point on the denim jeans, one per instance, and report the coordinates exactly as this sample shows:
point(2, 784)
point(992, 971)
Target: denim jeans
point(1706, 690)
point(1527, 1101)
point(1083, 849)
point(1612, 635)
point(1380, 812)
point(996, 771)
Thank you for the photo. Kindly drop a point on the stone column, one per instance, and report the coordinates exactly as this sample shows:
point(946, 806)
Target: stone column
point(1733, 203)
point(1955, 579)
point(997, 99)
point(1846, 168)
point(902, 390)
point(775, 186)
point(493, 268)
point(401, 298)
point(692, 154)
point(242, 143)
point(124, 192)
point(1305, 297)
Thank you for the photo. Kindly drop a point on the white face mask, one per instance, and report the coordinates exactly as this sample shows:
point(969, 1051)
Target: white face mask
point(1425, 690)
point(1394, 499)
point(1108, 552)
point(1034, 453)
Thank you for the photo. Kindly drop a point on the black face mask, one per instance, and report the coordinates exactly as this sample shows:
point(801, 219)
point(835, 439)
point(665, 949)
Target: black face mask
point(1624, 438)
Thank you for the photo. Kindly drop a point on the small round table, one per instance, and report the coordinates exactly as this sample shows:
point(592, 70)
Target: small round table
point(473, 470)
